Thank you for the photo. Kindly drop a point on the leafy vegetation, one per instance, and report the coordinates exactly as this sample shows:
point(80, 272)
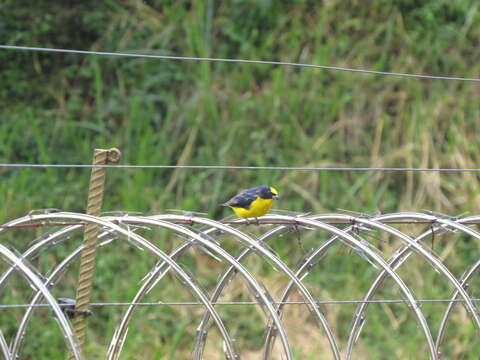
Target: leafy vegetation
point(55, 108)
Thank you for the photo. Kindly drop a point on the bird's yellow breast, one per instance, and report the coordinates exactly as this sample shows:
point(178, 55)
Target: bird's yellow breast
point(258, 207)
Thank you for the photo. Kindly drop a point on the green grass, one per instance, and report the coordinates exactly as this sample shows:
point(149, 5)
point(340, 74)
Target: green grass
point(57, 108)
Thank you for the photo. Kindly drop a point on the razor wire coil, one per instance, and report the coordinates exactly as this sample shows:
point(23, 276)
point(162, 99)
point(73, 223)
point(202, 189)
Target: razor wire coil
point(349, 236)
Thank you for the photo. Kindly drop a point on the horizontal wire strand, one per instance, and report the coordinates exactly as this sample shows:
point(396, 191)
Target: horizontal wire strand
point(237, 303)
point(241, 61)
point(233, 167)
point(233, 222)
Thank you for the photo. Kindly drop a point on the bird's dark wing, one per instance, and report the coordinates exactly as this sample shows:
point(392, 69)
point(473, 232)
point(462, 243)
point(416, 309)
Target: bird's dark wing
point(243, 199)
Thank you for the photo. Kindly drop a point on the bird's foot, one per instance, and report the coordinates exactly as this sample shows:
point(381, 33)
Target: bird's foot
point(253, 221)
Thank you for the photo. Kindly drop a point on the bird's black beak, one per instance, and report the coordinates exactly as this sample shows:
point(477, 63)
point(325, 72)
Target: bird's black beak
point(275, 197)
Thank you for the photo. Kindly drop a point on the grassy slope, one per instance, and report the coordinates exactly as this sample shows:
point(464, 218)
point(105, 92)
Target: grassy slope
point(56, 108)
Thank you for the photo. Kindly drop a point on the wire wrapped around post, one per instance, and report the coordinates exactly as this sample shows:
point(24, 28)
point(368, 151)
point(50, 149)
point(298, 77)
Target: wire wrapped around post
point(87, 259)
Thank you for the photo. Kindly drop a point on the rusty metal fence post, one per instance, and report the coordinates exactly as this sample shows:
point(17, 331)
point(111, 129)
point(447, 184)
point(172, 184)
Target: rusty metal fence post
point(87, 260)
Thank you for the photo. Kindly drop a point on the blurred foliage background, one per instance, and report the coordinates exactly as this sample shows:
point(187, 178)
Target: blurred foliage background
point(55, 108)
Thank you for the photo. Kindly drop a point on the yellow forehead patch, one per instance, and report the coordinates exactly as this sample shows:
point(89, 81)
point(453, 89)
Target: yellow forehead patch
point(273, 191)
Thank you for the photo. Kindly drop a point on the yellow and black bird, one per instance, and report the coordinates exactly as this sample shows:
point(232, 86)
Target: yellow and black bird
point(254, 202)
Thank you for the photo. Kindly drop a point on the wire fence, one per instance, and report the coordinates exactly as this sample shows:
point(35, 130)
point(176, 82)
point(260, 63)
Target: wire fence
point(202, 234)
point(205, 235)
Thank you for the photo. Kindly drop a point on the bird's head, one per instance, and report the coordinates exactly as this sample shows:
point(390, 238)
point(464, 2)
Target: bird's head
point(274, 193)
point(268, 192)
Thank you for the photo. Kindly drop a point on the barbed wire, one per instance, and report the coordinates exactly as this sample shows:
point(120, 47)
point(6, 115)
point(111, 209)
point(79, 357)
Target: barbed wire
point(210, 299)
point(240, 303)
point(241, 61)
point(235, 167)
point(233, 222)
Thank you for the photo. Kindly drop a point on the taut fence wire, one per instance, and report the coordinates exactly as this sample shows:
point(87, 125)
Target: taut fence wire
point(228, 167)
point(237, 61)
